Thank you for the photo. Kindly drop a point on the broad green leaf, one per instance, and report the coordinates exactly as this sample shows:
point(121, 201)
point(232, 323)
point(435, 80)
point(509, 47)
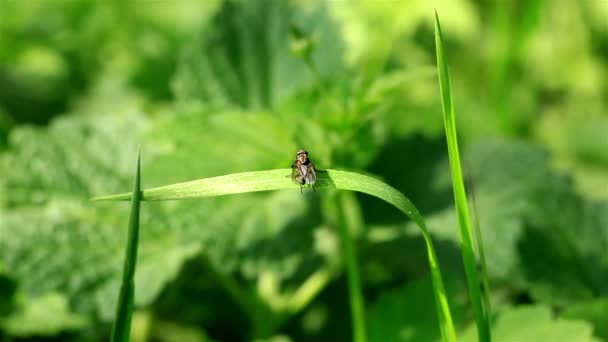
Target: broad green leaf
point(564, 228)
point(504, 175)
point(535, 323)
point(244, 59)
point(227, 142)
point(245, 239)
point(500, 207)
point(403, 314)
point(533, 218)
point(53, 239)
point(47, 315)
point(593, 311)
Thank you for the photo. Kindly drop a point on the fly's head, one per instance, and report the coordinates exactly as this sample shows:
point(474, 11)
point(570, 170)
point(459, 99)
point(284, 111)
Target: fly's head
point(302, 157)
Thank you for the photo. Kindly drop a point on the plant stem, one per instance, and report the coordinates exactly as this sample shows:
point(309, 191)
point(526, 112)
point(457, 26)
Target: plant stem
point(350, 218)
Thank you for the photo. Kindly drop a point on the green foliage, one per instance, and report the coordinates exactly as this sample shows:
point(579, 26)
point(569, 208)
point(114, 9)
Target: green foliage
point(53, 211)
point(525, 224)
point(525, 228)
point(38, 221)
point(46, 315)
point(219, 87)
point(245, 62)
point(276, 180)
point(535, 323)
point(594, 311)
point(391, 320)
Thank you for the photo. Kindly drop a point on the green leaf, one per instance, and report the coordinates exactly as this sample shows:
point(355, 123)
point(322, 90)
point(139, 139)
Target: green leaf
point(391, 320)
point(534, 323)
point(505, 174)
point(527, 211)
point(121, 330)
point(481, 309)
point(229, 141)
point(44, 316)
point(245, 60)
point(53, 239)
point(550, 239)
point(593, 311)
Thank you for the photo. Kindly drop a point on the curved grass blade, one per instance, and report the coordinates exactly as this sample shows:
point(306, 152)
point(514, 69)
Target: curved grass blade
point(460, 197)
point(278, 179)
point(121, 329)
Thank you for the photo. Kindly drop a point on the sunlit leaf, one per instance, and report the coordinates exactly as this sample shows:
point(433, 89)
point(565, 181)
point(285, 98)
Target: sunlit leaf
point(53, 239)
point(44, 316)
point(535, 323)
point(594, 311)
point(245, 60)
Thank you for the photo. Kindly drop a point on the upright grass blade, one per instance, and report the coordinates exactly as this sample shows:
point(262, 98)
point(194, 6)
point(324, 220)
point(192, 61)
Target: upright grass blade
point(122, 325)
point(485, 294)
point(460, 197)
point(278, 179)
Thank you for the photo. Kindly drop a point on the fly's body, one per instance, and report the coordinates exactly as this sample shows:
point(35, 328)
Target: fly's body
point(303, 170)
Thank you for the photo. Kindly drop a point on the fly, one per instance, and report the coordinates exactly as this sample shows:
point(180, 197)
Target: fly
point(303, 171)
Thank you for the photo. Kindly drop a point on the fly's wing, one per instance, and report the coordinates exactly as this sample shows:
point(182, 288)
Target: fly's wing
point(311, 176)
point(296, 173)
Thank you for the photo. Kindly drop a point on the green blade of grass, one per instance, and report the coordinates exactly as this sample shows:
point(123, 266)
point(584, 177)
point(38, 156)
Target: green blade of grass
point(482, 255)
point(121, 329)
point(460, 197)
point(279, 179)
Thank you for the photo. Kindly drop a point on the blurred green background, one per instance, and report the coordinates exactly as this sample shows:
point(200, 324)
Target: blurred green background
point(215, 87)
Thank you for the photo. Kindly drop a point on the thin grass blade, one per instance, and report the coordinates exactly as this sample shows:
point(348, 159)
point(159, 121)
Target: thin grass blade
point(121, 329)
point(460, 197)
point(485, 294)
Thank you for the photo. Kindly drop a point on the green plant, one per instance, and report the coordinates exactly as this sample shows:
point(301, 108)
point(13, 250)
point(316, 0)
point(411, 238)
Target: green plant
point(124, 310)
point(341, 180)
point(460, 197)
point(222, 87)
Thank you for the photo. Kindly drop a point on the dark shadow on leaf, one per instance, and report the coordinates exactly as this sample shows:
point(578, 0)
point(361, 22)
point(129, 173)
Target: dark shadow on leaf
point(410, 165)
